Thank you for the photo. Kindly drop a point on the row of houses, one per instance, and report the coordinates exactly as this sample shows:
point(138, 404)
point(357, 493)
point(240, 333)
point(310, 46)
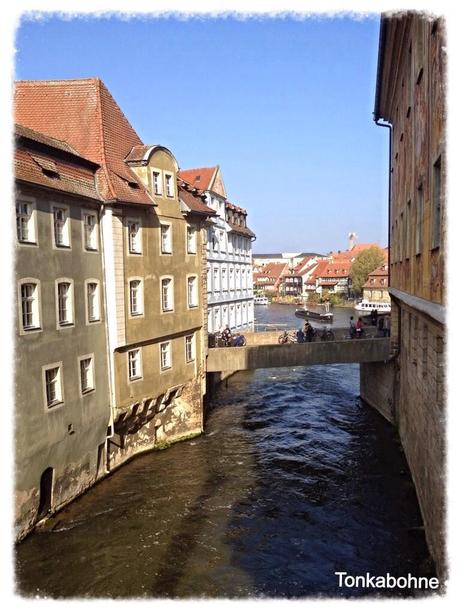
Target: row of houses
point(116, 253)
point(316, 274)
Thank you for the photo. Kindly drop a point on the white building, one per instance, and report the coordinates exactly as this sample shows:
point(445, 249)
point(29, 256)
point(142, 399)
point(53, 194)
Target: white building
point(229, 255)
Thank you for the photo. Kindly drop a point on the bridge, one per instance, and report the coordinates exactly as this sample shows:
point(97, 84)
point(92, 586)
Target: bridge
point(262, 350)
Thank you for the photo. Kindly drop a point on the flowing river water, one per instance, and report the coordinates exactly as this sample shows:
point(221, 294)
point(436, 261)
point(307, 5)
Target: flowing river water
point(294, 479)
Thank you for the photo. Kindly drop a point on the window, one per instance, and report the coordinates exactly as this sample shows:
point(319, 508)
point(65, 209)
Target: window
point(156, 177)
point(53, 386)
point(191, 240)
point(25, 221)
point(169, 185)
point(135, 297)
point(419, 221)
point(61, 226)
point(190, 348)
point(165, 355)
point(92, 301)
point(215, 272)
point(29, 306)
point(166, 242)
point(231, 279)
point(436, 207)
point(90, 231)
point(64, 303)
point(192, 292)
point(134, 364)
point(408, 241)
point(86, 375)
point(167, 297)
point(224, 279)
point(134, 236)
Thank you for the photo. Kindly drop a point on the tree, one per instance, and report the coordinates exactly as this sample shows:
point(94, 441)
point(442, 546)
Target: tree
point(367, 261)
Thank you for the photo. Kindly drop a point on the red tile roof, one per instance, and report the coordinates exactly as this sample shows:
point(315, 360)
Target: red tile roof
point(50, 163)
point(83, 113)
point(199, 177)
point(193, 199)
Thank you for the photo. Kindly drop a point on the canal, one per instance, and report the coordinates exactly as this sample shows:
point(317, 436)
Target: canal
point(294, 479)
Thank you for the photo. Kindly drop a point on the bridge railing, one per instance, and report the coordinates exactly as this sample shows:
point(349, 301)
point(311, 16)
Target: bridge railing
point(271, 335)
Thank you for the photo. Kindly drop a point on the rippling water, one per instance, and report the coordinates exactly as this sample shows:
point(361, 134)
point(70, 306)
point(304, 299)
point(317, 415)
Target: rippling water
point(293, 480)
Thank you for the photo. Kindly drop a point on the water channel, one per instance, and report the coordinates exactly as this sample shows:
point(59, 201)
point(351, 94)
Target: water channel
point(294, 479)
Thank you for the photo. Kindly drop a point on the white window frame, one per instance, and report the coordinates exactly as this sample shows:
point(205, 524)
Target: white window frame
point(191, 239)
point(170, 193)
point(171, 294)
point(70, 306)
point(168, 354)
point(139, 297)
point(91, 378)
point(50, 406)
point(134, 248)
point(190, 344)
point(138, 353)
point(97, 318)
point(166, 247)
point(66, 229)
point(32, 238)
point(159, 172)
point(216, 278)
point(93, 246)
point(36, 306)
point(193, 294)
point(224, 278)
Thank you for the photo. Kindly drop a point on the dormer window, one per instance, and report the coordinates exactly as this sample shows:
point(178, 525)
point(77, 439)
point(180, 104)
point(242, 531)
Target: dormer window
point(156, 180)
point(169, 185)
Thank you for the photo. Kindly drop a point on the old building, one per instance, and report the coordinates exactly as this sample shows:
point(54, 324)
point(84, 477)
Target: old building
point(229, 254)
point(153, 265)
point(61, 374)
point(410, 99)
point(376, 287)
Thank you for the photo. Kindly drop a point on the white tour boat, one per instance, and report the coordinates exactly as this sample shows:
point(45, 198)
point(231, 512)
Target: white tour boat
point(261, 300)
point(366, 306)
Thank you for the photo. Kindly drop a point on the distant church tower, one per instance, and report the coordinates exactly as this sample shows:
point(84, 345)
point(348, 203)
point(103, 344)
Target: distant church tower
point(352, 238)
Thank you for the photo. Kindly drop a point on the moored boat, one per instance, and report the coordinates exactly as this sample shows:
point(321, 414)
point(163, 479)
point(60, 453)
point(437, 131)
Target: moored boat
point(307, 314)
point(366, 306)
point(263, 300)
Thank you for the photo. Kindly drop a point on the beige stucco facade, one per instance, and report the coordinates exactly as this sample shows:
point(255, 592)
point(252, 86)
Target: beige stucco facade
point(162, 404)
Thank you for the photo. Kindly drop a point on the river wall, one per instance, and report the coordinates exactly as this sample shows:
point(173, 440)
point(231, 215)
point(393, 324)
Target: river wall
point(408, 391)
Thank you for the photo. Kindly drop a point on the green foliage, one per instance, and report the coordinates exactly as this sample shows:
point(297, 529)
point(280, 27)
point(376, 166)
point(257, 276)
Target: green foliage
point(367, 261)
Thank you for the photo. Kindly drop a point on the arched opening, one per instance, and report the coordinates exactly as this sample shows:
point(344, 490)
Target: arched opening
point(46, 492)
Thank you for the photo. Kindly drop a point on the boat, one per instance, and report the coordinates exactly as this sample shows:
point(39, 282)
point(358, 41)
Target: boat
point(307, 314)
point(366, 306)
point(261, 300)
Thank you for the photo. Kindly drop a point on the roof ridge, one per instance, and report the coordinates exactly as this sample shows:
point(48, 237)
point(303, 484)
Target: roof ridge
point(104, 164)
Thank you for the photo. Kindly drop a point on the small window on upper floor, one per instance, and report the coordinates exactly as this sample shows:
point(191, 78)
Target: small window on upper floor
point(191, 240)
point(134, 236)
point(156, 181)
point(30, 312)
point(90, 231)
point(87, 375)
point(166, 238)
point(64, 296)
point(136, 301)
point(61, 226)
point(169, 185)
point(53, 385)
point(25, 221)
point(93, 301)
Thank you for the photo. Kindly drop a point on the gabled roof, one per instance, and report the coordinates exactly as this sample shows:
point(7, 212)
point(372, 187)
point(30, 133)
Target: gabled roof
point(83, 113)
point(201, 178)
point(53, 164)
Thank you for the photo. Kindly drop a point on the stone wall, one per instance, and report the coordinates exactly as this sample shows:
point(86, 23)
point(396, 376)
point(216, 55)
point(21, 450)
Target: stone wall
point(376, 387)
point(420, 417)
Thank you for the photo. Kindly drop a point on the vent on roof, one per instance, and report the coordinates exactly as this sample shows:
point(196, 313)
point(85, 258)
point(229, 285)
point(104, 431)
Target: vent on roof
point(198, 177)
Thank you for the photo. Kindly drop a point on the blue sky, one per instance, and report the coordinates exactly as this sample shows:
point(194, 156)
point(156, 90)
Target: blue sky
point(283, 105)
